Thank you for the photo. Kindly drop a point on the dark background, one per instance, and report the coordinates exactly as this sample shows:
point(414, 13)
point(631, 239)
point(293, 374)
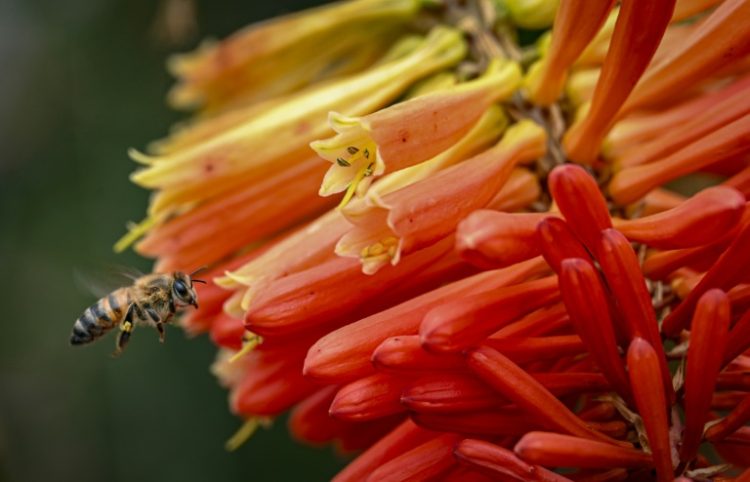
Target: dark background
point(80, 82)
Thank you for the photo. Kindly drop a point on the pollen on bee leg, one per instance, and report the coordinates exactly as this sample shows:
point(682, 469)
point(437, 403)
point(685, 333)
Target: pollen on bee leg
point(249, 341)
point(246, 431)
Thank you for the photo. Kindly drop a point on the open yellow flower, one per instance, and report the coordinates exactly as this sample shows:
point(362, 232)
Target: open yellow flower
point(409, 132)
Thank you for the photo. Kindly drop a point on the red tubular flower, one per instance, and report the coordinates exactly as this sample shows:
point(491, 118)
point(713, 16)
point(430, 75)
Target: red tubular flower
point(558, 242)
point(460, 323)
point(361, 435)
point(621, 269)
point(270, 387)
point(344, 354)
point(569, 185)
point(727, 142)
point(501, 462)
point(739, 339)
point(403, 438)
point(648, 392)
point(586, 302)
point(659, 265)
point(741, 182)
point(450, 393)
point(534, 349)
point(731, 423)
point(700, 220)
point(404, 354)
point(715, 43)
point(464, 474)
point(461, 392)
point(368, 398)
point(492, 239)
point(728, 270)
point(557, 450)
point(227, 331)
point(576, 23)
point(600, 411)
point(290, 305)
point(487, 423)
point(520, 387)
point(542, 321)
point(708, 339)
point(638, 31)
point(420, 463)
point(310, 421)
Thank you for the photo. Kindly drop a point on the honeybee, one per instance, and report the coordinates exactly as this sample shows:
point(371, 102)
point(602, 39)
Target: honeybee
point(151, 300)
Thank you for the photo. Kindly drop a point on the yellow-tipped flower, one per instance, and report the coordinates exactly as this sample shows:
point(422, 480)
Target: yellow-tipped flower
point(410, 132)
point(532, 14)
point(280, 135)
point(279, 56)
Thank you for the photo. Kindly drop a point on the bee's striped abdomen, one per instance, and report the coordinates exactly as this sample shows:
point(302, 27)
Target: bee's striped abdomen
point(100, 317)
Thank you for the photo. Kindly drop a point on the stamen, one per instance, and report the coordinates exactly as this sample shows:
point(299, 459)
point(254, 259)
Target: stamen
point(243, 434)
point(135, 231)
point(251, 341)
point(361, 174)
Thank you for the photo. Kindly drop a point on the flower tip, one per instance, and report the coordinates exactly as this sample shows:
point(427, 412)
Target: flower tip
point(140, 157)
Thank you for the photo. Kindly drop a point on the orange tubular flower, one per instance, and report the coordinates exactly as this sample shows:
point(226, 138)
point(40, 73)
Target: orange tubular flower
point(729, 141)
point(725, 109)
point(492, 239)
point(410, 132)
point(716, 42)
point(412, 218)
point(505, 265)
point(630, 51)
point(700, 220)
point(708, 338)
point(576, 23)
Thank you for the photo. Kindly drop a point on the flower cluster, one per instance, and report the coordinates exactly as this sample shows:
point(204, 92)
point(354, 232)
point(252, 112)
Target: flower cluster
point(465, 257)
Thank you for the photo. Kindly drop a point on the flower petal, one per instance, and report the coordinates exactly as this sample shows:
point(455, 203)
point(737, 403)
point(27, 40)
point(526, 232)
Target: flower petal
point(648, 392)
point(517, 385)
point(558, 450)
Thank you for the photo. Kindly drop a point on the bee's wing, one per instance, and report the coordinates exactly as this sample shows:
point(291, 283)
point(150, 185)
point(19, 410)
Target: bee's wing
point(104, 281)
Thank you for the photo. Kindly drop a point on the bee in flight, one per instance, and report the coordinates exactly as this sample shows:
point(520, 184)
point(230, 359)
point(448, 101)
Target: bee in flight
point(151, 300)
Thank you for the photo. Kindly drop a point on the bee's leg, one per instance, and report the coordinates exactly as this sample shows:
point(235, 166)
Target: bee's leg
point(160, 329)
point(157, 319)
point(126, 328)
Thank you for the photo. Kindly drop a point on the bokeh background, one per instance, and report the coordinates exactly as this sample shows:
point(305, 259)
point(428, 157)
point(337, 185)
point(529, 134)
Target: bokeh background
point(80, 82)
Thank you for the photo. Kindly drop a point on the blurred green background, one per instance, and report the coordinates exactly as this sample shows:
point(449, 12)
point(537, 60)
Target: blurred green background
point(81, 81)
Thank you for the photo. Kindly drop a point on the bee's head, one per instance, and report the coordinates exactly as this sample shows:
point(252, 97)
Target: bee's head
point(183, 291)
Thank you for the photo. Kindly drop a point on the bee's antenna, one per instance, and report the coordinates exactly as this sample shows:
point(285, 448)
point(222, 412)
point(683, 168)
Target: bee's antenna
point(198, 281)
point(204, 267)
